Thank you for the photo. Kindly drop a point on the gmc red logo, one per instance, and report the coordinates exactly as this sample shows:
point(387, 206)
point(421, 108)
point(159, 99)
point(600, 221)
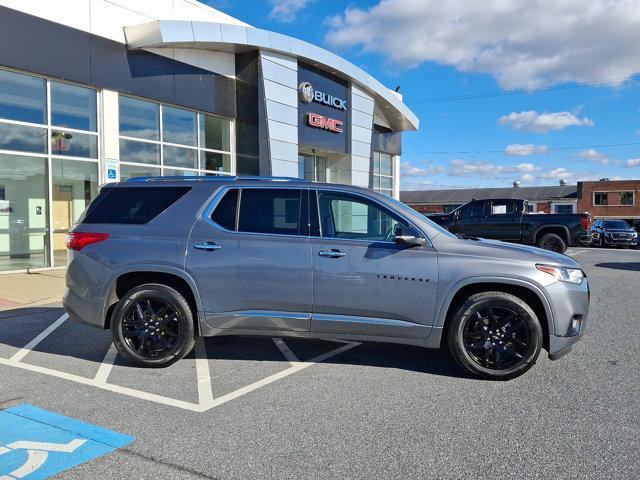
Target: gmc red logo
point(325, 123)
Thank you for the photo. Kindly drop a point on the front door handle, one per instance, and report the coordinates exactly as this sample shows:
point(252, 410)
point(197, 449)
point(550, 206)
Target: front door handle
point(332, 253)
point(208, 246)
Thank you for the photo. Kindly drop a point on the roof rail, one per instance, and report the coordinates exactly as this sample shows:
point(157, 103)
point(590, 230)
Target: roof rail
point(217, 178)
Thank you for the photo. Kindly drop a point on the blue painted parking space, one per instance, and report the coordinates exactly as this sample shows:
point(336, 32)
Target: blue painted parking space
point(36, 443)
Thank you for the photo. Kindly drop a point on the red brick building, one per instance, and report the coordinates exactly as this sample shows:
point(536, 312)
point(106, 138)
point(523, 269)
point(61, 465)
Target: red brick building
point(618, 199)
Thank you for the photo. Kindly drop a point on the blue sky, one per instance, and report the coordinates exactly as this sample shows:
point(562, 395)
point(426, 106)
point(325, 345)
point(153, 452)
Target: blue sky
point(564, 95)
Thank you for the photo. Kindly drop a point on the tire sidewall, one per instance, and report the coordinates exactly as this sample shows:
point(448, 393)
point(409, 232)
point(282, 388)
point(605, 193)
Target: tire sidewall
point(561, 246)
point(185, 317)
point(497, 299)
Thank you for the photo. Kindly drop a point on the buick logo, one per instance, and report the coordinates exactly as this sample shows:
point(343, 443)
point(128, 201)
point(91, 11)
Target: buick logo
point(306, 91)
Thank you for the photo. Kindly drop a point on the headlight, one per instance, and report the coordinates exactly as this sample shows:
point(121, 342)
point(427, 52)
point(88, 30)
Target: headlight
point(564, 274)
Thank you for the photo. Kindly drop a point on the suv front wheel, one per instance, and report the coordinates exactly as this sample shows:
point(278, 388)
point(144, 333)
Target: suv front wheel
point(495, 335)
point(153, 326)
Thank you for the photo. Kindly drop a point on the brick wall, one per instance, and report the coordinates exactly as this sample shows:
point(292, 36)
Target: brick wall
point(587, 189)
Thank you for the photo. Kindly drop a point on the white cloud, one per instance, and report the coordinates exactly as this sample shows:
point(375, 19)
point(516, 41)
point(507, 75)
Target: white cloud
point(528, 178)
point(532, 121)
point(632, 162)
point(557, 174)
point(591, 155)
point(468, 168)
point(286, 10)
point(519, 150)
point(408, 170)
point(523, 44)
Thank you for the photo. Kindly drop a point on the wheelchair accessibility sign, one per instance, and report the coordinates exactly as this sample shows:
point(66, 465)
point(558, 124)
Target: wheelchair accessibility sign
point(35, 443)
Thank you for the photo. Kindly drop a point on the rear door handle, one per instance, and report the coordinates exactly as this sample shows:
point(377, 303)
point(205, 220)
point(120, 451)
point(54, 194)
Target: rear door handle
point(332, 253)
point(208, 246)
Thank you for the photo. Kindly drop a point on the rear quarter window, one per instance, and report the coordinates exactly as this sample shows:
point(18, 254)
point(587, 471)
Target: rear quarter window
point(131, 205)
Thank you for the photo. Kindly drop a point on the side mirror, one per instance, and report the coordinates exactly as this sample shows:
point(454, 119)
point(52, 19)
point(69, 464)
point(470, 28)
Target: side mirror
point(409, 237)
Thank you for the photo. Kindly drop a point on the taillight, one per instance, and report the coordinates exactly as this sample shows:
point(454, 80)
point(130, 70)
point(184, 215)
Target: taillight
point(585, 220)
point(79, 240)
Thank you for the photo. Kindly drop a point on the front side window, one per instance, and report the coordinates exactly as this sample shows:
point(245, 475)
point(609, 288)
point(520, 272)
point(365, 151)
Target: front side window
point(470, 210)
point(351, 217)
point(272, 211)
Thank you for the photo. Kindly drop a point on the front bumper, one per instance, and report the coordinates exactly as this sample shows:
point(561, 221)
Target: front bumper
point(570, 306)
point(621, 242)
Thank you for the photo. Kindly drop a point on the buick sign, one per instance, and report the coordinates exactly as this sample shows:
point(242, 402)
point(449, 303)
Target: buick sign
point(308, 94)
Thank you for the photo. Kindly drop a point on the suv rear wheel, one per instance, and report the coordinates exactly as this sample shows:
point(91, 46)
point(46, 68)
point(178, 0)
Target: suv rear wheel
point(153, 326)
point(495, 335)
point(553, 242)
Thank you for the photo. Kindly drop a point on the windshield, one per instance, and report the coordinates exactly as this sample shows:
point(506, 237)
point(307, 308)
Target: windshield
point(616, 224)
point(407, 209)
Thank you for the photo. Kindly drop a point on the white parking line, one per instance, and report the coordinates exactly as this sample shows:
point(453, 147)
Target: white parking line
point(106, 365)
point(277, 376)
point(33, 343)
point(206, 401)
point(205, 392)
point(286, 351)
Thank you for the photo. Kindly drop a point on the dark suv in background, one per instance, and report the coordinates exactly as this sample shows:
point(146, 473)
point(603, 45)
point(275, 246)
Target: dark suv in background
point(161, 260)
point(613, 233)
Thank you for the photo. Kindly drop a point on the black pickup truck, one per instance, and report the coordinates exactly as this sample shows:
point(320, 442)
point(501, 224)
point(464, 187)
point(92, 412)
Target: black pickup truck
point(508, 220)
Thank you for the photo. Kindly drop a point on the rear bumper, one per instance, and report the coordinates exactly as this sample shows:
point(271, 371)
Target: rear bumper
point(82, 311)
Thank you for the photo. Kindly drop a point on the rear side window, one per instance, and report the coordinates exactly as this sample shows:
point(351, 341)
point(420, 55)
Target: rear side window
point(266, 210)
point(132, 205)
point(225, 212)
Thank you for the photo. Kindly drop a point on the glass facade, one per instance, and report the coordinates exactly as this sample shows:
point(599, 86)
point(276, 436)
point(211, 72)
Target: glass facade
point(382, 173)
point(49, 150)
point(158, 139)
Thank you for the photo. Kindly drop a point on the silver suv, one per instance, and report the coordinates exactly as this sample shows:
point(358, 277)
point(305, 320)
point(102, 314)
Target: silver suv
point(161, 260)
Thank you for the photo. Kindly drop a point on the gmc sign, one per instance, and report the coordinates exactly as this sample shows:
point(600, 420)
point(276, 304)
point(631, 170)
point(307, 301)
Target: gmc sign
point(320, 121)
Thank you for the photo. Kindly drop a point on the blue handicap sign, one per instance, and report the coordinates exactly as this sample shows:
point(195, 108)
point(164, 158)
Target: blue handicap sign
point(111, 173)
point(35, 443)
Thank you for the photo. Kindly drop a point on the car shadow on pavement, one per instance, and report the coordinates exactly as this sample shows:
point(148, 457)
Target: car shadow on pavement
point(631, 266)
point(72, 343)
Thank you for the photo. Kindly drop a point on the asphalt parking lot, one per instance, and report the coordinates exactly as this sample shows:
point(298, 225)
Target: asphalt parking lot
point(270, 408)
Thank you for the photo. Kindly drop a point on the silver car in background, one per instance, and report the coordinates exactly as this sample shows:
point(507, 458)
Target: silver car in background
point(160, 261)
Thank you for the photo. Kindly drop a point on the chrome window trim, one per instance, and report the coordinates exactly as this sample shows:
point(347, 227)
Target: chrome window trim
point(212, 203)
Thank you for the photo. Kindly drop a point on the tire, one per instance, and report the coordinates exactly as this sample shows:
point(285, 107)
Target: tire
point(495, 353)
point(553, 242)
point(153, 326)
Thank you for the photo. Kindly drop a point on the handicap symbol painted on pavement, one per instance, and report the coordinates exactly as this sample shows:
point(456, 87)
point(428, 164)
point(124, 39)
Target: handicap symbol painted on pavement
point(36, 444)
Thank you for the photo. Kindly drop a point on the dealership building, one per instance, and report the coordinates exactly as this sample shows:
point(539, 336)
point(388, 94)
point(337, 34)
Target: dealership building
point(95, 91)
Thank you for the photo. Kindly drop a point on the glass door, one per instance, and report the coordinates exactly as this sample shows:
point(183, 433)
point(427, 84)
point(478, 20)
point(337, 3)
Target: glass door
point(24, 216)
point(312, 167)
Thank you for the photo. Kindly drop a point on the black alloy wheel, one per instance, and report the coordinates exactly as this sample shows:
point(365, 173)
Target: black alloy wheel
point(494, 335)
point(153, 326)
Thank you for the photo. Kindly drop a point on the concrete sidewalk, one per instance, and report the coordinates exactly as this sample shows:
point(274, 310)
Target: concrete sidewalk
point(31, 289)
